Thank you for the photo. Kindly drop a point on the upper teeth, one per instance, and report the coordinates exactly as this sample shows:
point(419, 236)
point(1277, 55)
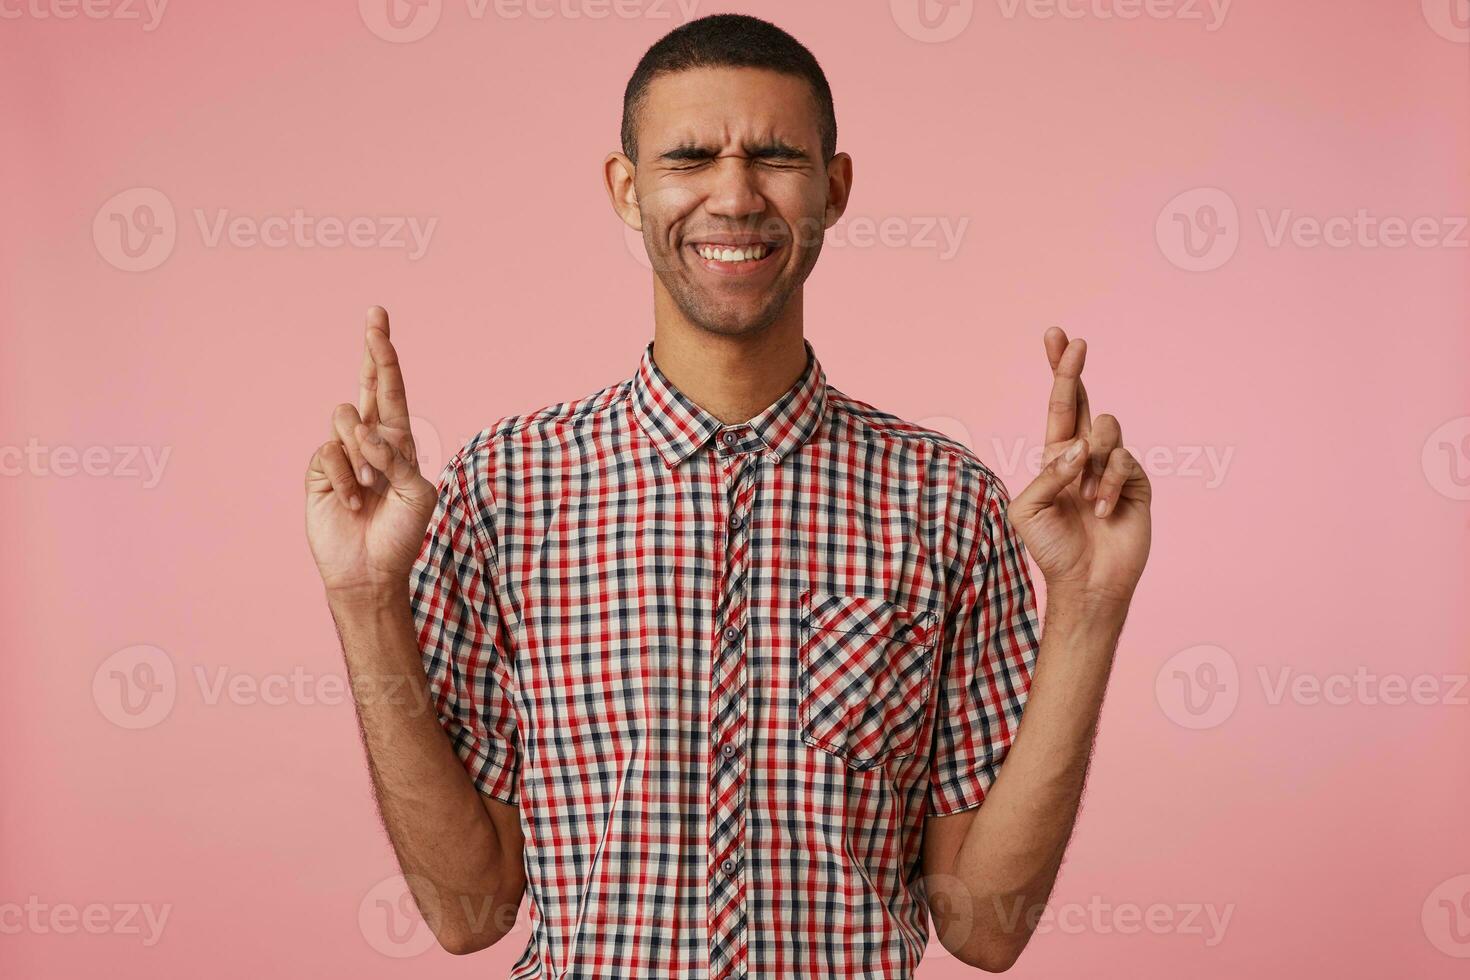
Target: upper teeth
point(725, 254)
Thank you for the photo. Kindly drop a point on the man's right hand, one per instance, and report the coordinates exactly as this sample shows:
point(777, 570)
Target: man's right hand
point(367, 505)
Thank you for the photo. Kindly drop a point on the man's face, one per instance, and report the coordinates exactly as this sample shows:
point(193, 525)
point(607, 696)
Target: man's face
point(732, 192)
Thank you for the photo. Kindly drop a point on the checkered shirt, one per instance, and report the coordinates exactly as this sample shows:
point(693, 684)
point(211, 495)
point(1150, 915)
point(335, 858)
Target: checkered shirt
point(725, 671)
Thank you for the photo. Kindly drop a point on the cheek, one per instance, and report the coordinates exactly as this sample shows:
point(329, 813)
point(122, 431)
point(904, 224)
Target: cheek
point(664, 210)
point(802, 210)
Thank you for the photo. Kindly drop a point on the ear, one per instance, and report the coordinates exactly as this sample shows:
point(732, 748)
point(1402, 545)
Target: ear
point(839, 187)
point(618, 173)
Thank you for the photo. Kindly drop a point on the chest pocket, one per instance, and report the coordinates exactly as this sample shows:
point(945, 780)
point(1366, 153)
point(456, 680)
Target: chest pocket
point(866, 667)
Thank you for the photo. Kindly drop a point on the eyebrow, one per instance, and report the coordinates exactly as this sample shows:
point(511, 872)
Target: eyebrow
point(773, 149)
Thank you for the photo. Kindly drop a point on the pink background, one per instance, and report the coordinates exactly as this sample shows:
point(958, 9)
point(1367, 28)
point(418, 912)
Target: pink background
point(1326, 542)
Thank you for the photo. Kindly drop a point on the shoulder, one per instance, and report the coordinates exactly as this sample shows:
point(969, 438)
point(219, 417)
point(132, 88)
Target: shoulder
point(949, 460)
point(551, 424)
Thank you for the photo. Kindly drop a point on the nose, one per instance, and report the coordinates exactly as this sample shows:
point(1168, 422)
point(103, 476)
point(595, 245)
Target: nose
point(734, 192)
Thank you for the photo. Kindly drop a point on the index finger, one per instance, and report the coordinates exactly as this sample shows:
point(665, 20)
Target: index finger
point(367, 382)
point(391, 396)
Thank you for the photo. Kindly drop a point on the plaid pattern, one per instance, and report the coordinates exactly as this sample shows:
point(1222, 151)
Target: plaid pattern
point(725, 671)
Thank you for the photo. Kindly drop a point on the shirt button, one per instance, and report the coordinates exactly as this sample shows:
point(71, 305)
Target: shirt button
point(727, 749)
point(736, 520)
point(732, 634)
point(727, 866)
point(729, 438)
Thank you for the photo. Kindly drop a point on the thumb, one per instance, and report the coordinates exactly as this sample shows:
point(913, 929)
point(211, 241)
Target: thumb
point(1041, 492)
point(402, 473)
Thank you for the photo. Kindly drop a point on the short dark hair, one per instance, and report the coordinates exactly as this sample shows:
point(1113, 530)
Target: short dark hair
point(729, 41)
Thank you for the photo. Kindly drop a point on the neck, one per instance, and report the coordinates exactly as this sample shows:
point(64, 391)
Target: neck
point(733, 377)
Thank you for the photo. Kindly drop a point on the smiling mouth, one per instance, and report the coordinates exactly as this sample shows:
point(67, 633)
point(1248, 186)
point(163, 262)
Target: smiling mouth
point(734, 259)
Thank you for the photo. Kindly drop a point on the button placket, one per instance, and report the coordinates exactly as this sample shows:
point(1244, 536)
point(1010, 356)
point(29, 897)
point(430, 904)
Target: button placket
point(728, 723)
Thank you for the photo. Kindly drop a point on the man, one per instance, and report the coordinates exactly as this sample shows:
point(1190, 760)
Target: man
point(721, 662)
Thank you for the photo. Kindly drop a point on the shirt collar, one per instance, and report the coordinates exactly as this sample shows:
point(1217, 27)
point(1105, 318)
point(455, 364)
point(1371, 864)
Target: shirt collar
point(679, 427)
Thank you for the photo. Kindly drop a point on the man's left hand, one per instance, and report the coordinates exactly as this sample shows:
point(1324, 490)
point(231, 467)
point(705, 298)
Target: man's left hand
point(1085, 518)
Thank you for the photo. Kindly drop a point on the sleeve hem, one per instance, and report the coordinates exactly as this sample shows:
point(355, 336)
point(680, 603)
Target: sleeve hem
point(960, 794)
point(496, 778)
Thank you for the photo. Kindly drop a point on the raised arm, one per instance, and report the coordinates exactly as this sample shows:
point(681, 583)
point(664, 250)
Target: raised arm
point(367, 510)
point(1085, 520)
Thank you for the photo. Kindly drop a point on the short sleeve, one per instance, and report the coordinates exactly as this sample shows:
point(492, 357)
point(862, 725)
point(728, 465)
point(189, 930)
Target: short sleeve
point(459, 630)
point(990, 642)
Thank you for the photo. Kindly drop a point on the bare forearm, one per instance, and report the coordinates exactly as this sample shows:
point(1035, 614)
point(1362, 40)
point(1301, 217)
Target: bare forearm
point(466, 884)
point(1010, 856)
